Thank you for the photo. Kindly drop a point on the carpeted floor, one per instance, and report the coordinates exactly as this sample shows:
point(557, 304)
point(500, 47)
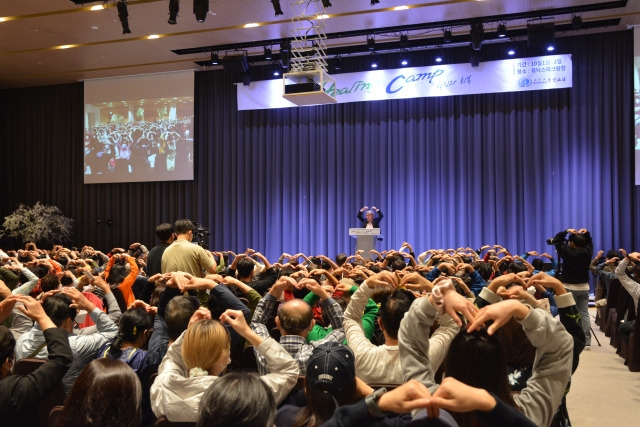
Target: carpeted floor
point(603, 391)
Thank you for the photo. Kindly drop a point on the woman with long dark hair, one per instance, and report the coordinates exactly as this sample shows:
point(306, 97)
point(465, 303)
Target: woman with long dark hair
point(107, 393)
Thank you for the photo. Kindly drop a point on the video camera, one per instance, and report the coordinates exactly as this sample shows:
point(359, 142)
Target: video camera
point(201, 234)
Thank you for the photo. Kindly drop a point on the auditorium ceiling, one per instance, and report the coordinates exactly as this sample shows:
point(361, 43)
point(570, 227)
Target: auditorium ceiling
point(45, 42)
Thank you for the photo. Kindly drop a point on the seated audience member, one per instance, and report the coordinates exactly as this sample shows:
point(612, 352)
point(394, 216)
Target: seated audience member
point(381, 364)
point(133, 332)
point(220, 299)
point(237, 399)
point(197, 358)
point(632, 286)
point(127, 345)
point(483, 366)
point(294, 320)
point(169, 323)
point(84, 344)
point(452, 395)
point(20, 394)
point(121, 273)
point(106, 393)
point(330, 382)
point(243, 266)
point(319, 294)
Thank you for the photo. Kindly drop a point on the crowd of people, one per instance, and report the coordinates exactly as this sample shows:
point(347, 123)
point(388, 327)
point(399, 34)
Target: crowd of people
point(448, 337)
point(139, 147)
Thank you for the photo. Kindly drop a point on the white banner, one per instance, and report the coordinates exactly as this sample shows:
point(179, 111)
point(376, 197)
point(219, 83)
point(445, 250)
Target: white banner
point(507, 75)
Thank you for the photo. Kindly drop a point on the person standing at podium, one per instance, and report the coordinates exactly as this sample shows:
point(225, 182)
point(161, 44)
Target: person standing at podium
point(373, 217)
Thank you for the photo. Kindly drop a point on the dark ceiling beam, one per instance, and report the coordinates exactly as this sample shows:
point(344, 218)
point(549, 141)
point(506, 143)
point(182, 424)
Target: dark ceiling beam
point(536, 14)
point(423, 43)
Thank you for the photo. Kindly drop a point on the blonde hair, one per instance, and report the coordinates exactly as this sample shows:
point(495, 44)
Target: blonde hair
point(205, 343)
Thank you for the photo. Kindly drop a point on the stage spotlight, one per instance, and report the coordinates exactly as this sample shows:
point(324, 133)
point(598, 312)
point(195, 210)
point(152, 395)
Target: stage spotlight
point(474, 58)
point(448, 37)
point(326, 3)
point(285, 46)
point(576, 22)
point(174, 8)
point(541, 35)
point(404, 62)
point(276, 7)
point(215, 59)
point(502, 30)
point(438, 57)
point(511, 52)
point(200, 9)
point(276, 70)
point(246, 77)
point(477, 35)
point(404, 41)
point(337, 64)
point(123, 15)
point(267, 53)
point(371, 43)
point(284, 59)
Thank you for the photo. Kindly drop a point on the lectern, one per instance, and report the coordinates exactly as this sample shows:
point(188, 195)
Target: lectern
point(366, 239)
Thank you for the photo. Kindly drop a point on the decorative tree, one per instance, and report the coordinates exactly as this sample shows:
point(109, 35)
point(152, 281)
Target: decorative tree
point(41, 224)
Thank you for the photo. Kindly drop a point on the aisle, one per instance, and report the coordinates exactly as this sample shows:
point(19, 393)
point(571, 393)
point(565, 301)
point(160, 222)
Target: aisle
point(603, 392)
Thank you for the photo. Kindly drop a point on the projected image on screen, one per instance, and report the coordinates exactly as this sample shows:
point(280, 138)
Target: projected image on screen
point(138, 137)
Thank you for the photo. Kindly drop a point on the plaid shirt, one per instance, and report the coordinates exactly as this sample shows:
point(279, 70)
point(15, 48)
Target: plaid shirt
point(295, 345)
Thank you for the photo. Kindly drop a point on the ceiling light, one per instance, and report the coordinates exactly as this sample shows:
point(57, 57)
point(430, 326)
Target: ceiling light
point(551, 48)
point(404, 62)
point(371, 43)
point(123, 15)
point(215, 59)
point(374, 61)
point(174, 8)
point(276, 7)
point(325, 16)
point(200, 9)
point(502, 30)
point(401, 8)
point(153, 36)
point(477, 35)
point(438, 57)
point(267, 53)
point(100, 7)
point(251, 25)
point(448, 37)
point(511, 52)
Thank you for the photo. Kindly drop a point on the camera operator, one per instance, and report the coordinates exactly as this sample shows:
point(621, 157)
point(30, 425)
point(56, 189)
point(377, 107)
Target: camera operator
point(576, 255)
point(184, 256)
